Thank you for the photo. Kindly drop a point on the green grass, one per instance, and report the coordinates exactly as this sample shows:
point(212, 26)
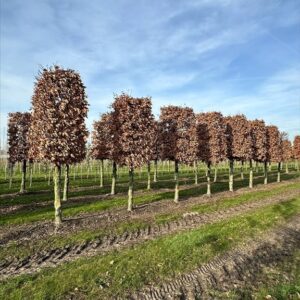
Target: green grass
point(72, 209)
point(247, 197)
point(28, 248)
point(281, 282)
point(153, 261)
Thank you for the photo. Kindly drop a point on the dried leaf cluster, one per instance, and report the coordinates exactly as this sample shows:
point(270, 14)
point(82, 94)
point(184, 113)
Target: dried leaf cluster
point(178, 134)
point(211, 137)
point(157, 141)
point(259, 139)
point(287, 149)
point(59, 108)
point(238, 133)
point(133, 130)
point(296, 147)
point(274, 144)
point(101, 135)
point(18, 126)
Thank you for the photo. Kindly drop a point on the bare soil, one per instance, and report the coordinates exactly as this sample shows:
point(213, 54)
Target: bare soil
point(54, 257)
point(104, 219)
point(232, 270)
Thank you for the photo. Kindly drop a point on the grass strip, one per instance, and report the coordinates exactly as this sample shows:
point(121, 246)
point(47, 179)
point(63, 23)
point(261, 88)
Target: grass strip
point(119, 272)
point(52, 242)
point(72, 209)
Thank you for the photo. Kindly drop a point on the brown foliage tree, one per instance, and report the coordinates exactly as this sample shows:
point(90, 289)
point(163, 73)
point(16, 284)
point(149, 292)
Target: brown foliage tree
point(259, 137)
point(157, 144)
point(133, 121)
point(18, 146)
point(211, 135)
point(296, 150)
point(179, 138)
point(59, 109)
point(101, 136)
point(287, 150)
point(239, 144)
point(275, 147)
point(296, 147)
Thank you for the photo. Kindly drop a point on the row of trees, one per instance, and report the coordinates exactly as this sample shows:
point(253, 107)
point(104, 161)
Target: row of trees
point(130, 136)
point(182, 136)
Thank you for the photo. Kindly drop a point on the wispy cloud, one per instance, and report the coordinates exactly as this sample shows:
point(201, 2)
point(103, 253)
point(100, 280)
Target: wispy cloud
point(226, 55)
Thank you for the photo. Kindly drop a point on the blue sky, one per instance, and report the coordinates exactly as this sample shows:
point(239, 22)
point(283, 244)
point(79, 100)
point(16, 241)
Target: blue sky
point(226, 55)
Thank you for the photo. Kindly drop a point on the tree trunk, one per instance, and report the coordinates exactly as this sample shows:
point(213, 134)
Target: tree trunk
point(265, 172)
point(216, 173)
point(176, 196)
point(66, 183)
point(49, 176)
point(208, 179)
point(113, 179)
point(242, 170)
point(74, 172)
point(278, 172)
point(231, 175)
point(196, 172)
point(101, 173)
point(155, 171)
point(31, 166)
point(286, 168)
point(256, 167)
point(6, 169)
point(149, 175)
point(11, 166)
point(250, 174)
point(57, 189)
point(23, 181)
point(130, 190)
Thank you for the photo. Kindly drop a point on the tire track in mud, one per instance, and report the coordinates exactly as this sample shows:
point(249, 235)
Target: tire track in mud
point(230, 270)
point(54, 257)
point(95, 220)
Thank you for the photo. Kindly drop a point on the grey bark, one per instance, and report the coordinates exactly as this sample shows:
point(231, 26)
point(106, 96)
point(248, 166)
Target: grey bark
point(208, 179)
point(57, 190)
point(265, 172)
point(130, 190)
point(231, 175)
point(66, 183)
point(113, 179)
point(176, 196)
point(23, 181)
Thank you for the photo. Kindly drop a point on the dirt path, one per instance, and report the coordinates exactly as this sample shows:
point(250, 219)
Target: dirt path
point(109, 218)
point(8, 209)
point(57, 256)
point(232, 269)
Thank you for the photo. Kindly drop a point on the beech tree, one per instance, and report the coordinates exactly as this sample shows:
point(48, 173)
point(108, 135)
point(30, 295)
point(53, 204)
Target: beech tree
point(100, 142)
point(59, 109)
point(18, 126)
point(275, 147)
point(155, 153)
point(179, 138)
point(239, 146)
point(259, 137)
point(133, 121)
point(157, 142)
point(211, 136)
point(287, 151)
point(296, 150)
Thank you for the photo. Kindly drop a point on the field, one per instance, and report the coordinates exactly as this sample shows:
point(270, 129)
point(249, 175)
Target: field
point(233, 245)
